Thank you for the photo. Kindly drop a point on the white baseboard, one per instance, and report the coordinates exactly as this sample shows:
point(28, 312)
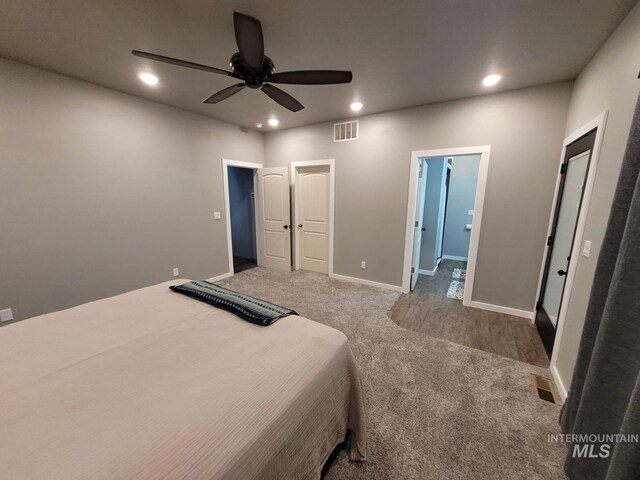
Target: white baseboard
point(562, 390)
point(500, 309)
point(220, 277)
point(431, 273)
point(371, 283)
point(453, 257)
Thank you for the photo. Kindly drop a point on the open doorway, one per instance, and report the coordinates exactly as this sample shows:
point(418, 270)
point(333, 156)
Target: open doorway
point(445, 211)
point(240, 190)
point(242, 213)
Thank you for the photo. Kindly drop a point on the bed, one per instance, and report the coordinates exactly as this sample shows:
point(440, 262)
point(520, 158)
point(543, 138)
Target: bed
point(155, 385)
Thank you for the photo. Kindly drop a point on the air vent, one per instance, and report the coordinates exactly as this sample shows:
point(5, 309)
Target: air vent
point(544, 389)
point(345, 131)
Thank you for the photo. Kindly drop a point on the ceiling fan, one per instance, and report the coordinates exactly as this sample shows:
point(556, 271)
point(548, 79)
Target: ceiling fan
point(255, 69)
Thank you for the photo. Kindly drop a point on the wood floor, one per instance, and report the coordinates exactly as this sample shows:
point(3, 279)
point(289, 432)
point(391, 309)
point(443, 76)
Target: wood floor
point(428, 310)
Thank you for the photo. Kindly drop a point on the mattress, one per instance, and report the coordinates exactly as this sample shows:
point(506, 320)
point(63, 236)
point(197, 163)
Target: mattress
point(155, 385)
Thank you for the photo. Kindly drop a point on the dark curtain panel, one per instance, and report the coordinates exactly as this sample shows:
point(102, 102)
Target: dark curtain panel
point(604, 397)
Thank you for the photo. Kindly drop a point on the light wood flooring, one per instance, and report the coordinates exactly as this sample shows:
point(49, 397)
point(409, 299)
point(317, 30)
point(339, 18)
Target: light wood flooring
point(428, 310)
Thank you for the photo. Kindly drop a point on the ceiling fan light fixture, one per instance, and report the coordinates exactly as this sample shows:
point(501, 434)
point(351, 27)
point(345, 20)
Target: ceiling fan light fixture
point(491, 80)
point(148, 78)
point(356, 106)
point(274, 122)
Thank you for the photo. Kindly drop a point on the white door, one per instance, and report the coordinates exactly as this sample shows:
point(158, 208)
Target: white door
point(274, 217)
point(313, 218)
point(417, 228)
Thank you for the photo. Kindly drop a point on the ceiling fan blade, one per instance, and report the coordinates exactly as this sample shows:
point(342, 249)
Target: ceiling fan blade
point(311, 77)
point(224, 93)
point(180, 63)
point(282, 97)
point(250, 40)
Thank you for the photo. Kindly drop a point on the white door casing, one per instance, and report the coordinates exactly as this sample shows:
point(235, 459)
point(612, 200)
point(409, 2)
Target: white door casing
point(419, 219)
point(313, 218)
point(274, 217)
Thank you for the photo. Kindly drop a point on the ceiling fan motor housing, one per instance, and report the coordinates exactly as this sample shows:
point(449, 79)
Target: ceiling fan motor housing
point(244, 72)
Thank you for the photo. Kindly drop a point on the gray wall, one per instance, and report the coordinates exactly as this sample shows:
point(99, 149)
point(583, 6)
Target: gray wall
point(243, 215)
point(102, 192)
point(610, 82)
point(462, 198)
point(525, 130)
point(433, 206)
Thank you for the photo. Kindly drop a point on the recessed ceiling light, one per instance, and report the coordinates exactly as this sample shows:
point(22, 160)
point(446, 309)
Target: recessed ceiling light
point(491, 80)
point(258, 125)
point(356, 106)
point(274, 122)
point(148, 78)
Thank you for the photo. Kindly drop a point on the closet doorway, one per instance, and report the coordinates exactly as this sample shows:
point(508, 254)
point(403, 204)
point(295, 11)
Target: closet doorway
point(313, 197)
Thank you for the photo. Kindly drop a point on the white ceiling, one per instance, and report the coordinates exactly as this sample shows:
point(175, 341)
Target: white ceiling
point(402, 53)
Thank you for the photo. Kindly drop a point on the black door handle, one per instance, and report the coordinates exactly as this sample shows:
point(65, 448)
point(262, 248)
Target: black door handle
point(286, 227)
point(561, 272)
point(300, 225)
point(424, 229)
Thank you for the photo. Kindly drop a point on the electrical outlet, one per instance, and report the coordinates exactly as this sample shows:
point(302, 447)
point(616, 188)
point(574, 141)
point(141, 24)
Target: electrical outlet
point(6, 315)
point(471, 212)
point(217, 216)
point(586, 250)
point(363, 265)
point(176, 272)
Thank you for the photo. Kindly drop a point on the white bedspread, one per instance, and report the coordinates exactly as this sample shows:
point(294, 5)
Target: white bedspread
point(155, 385)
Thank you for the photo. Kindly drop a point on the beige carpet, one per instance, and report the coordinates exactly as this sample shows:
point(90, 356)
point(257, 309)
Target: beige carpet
point(435, 410)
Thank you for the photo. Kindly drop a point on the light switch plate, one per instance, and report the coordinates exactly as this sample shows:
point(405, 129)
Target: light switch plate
point(216, 215)
point(6, 315)
point(586, 249)
point(176, 272)
point(363, 265)
point(470, 212)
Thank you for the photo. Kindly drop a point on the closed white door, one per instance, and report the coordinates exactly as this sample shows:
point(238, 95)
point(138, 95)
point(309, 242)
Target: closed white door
point(417, 227)
point(313, 218)
point(274, 217)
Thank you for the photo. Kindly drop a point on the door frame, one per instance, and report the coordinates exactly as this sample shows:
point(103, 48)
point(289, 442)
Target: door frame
point(331, 163)
point(484, 151)
point(418, 222)
point(227, 209)
point(599, 123)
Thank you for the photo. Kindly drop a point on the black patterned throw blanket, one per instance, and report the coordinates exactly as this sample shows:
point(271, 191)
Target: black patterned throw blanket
point(248, 308)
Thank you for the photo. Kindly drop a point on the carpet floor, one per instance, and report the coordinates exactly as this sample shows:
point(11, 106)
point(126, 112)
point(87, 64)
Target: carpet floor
point(435, 409)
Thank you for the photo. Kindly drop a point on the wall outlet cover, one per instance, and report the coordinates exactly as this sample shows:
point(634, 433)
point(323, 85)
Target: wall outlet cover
point(217, 216)
point(586, 250)
point(6, 315)
point(363, 264)
point(471, 212)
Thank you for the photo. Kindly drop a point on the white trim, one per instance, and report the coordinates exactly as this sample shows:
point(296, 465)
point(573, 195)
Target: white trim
point(331, 163)
point(453, 257)
point(598, 123)
point(431, 273)
point(484, 152)
point(221, 277)
point(227, 210)
point(562, 390)
point(500, 309)
point(370, 283)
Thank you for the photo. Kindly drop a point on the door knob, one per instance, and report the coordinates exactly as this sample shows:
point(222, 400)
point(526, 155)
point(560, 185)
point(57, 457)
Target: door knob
point(424, 229)
point(286, 227)
point(300, 225)
point(561, 272)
